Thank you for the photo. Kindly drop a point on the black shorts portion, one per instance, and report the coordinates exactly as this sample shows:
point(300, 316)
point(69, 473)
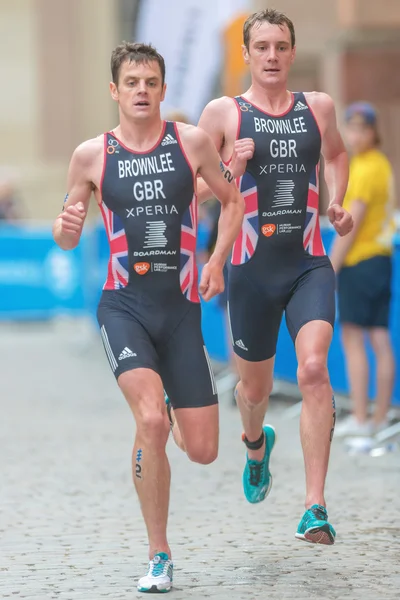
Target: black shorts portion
point(223, 296)
point(166, 338)
point(256, 305)
point(364, 292)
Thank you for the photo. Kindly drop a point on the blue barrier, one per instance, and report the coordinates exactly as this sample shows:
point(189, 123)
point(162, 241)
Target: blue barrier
point(39, 281)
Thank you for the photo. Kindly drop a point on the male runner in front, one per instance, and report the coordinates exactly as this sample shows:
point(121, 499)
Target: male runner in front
point(143, 175)
point(274, 138)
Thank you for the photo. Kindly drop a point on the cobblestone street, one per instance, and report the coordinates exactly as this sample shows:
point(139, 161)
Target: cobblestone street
point(70, 522)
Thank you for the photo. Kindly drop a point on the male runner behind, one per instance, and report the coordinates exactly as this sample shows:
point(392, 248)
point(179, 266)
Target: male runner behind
point(273, 138)
point(143, 175)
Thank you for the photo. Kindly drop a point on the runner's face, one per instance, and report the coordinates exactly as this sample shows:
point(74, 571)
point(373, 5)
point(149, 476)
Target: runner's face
point(270, 54)
point(140, 90)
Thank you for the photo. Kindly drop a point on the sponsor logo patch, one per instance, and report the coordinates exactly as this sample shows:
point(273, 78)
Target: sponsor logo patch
point(141, 268)
point(268, 229)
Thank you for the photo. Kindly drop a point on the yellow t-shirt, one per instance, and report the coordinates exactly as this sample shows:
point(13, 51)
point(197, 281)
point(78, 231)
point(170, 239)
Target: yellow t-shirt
point(371, 181)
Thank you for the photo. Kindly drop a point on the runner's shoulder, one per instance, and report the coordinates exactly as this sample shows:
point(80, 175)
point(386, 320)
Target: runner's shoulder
point(89, 151)
point(320, 101)
point(220, 106)
point(192, 136)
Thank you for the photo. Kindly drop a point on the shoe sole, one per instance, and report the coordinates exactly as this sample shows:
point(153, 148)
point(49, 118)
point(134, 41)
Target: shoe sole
point(270, 475)
point(317, 535)
point(270, 452)
point(154, 590)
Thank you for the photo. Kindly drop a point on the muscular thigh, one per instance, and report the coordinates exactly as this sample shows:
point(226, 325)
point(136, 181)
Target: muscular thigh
point(312, 298)
point(185, 366)
point(255, 310)
point(126, 341)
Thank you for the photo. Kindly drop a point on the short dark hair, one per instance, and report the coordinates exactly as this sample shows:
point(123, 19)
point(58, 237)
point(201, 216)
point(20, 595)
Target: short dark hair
point(270, 15)
point(135, 52)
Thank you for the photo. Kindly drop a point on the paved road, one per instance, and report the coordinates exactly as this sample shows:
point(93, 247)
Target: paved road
point(70, 524)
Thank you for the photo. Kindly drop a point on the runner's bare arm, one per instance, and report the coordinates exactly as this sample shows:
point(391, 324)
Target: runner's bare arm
point(223, 187)
point(336, 162)
point(211, 120)
point(333, 151)
point(342, 245)
point(68, 225)
point(205, 156)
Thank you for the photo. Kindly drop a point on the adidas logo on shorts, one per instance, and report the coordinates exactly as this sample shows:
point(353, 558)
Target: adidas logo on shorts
point(168, 140)
point(300, 106)
point(126, 353)
point(240, 344)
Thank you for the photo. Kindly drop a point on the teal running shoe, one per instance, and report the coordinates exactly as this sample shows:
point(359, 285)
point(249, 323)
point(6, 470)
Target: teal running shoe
point(257, 479)
point(159, 575)
point(315, 528)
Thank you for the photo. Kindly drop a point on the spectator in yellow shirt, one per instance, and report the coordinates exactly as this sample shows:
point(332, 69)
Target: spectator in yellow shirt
point(362, 260)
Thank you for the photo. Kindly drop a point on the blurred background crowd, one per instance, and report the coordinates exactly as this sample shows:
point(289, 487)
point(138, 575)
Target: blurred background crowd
point(54, 65)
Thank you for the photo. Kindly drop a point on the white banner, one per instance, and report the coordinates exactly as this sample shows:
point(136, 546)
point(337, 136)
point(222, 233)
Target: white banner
point(188, 34)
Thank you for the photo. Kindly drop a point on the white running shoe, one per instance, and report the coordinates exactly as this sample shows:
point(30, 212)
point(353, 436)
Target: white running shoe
point(359, 444)
point(159, 575)
point(351, 427)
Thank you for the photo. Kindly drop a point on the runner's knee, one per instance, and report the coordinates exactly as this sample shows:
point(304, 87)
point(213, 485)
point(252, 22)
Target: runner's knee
point(153, 426)
point(202, 452)
point(312, 371)
point(254, 392)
